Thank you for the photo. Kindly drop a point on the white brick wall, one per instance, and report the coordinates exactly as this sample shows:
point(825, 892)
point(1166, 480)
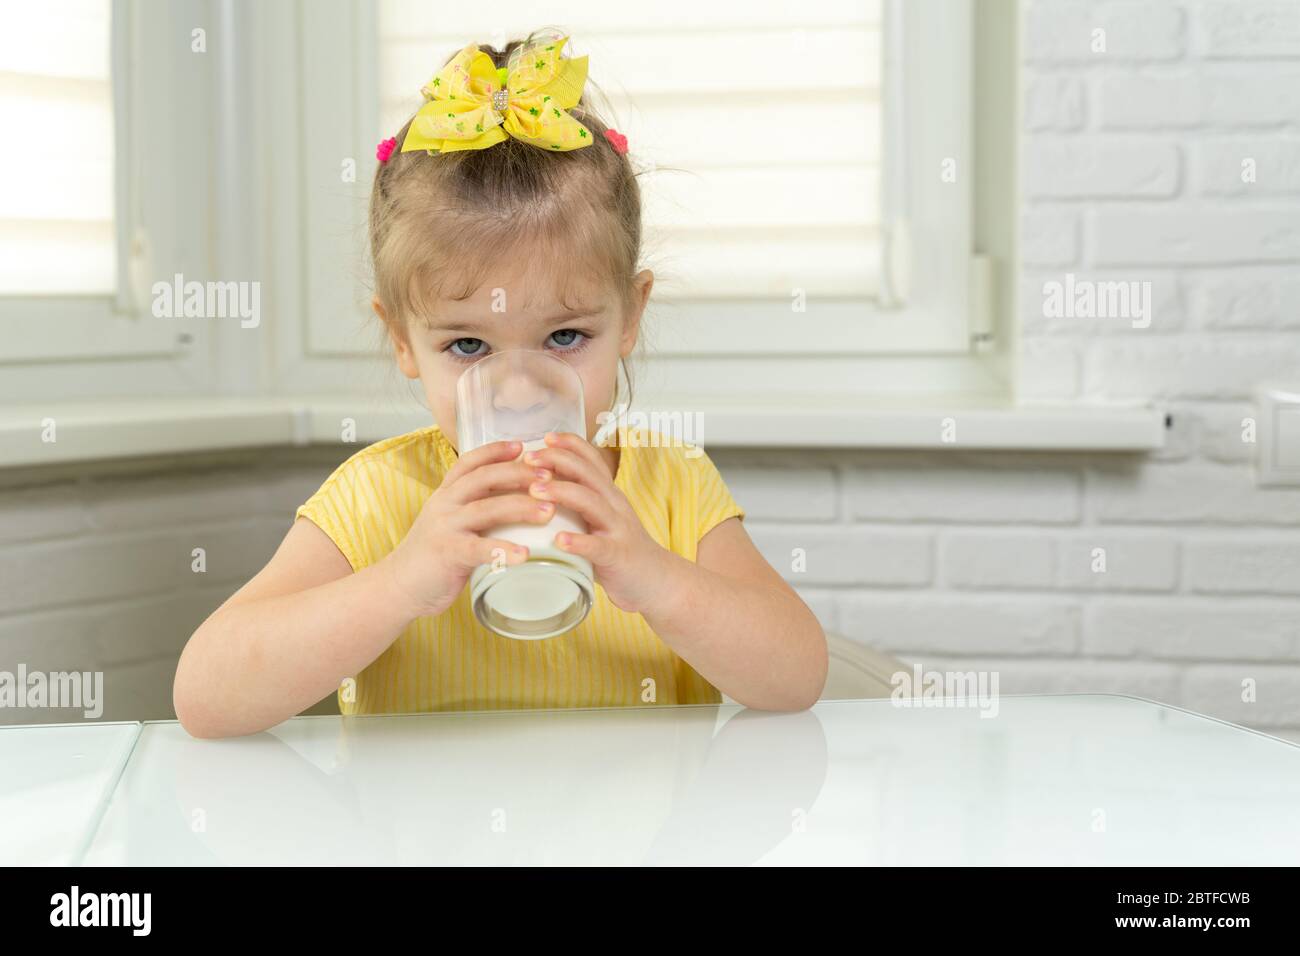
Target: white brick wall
point(979, 560)
point(96, 570)
point(1131, 170)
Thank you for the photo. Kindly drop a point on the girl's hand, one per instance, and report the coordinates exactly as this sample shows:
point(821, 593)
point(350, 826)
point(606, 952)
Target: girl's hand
point(629, 564)
point(485, 488)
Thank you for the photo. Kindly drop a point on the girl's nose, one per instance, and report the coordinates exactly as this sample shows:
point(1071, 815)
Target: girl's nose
point(519, 393)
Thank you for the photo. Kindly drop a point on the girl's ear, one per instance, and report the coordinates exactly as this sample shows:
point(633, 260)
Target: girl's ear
point(642, 283)
point(401, 343)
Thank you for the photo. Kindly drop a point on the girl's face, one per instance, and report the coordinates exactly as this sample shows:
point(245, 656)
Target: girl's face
point(521, 312)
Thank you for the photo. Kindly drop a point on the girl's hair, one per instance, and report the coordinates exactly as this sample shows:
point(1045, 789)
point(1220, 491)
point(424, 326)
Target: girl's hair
point(439, 222)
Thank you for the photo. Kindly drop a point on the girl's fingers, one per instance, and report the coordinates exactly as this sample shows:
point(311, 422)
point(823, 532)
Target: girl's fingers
point(591, 506)
point(570, 465)
point(483, 455)
point(500, 509)
point(489, 479)
point(598, 549)
point(578, 445)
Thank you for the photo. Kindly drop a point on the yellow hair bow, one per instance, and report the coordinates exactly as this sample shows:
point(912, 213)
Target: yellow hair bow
point(471, 104)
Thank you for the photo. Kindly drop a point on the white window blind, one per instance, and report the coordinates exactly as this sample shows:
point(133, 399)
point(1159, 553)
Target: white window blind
point(774, 120)
point(56, 170)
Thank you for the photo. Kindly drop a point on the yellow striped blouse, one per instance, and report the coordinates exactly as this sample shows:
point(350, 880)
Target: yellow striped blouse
point(450, 661)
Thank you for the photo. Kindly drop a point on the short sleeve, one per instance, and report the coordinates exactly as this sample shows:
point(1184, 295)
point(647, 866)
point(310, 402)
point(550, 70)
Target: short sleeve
point(334, 509)
point(713, 501)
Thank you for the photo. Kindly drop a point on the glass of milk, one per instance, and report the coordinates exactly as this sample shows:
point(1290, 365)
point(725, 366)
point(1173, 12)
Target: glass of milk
point(520, 395)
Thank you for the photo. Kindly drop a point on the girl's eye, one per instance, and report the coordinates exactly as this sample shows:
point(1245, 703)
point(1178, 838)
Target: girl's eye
point(473, 348)
point(567, 339)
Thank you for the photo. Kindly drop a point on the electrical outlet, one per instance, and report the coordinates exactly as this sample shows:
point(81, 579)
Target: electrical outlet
point(1278, 447)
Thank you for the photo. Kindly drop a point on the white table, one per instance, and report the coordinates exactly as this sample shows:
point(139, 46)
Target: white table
point(55, 780)
point(1075, 779)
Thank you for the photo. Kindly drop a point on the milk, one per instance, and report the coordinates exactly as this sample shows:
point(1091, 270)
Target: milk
point(548, 594)
point(539, 538)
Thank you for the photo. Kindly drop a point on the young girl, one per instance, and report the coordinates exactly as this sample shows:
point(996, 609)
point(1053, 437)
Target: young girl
point(505, 215)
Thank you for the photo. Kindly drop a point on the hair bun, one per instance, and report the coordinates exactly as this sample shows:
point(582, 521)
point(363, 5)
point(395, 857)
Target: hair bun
point(535, 39)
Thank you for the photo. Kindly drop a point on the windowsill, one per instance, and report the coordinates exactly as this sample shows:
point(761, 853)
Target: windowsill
point(87, 431)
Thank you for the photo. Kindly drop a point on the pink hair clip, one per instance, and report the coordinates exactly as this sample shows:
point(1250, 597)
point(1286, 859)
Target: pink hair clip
point(385, 149)
point(617, 140)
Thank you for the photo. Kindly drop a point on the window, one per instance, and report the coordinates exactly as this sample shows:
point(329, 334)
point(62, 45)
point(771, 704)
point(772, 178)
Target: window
point(76, 228)
point(761, 139)
point(847, 263)
point(234, 142)
point(780, 158)
point(56, 204)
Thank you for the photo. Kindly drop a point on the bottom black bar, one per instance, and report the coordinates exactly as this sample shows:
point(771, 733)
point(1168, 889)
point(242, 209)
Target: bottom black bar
point(923, 905)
